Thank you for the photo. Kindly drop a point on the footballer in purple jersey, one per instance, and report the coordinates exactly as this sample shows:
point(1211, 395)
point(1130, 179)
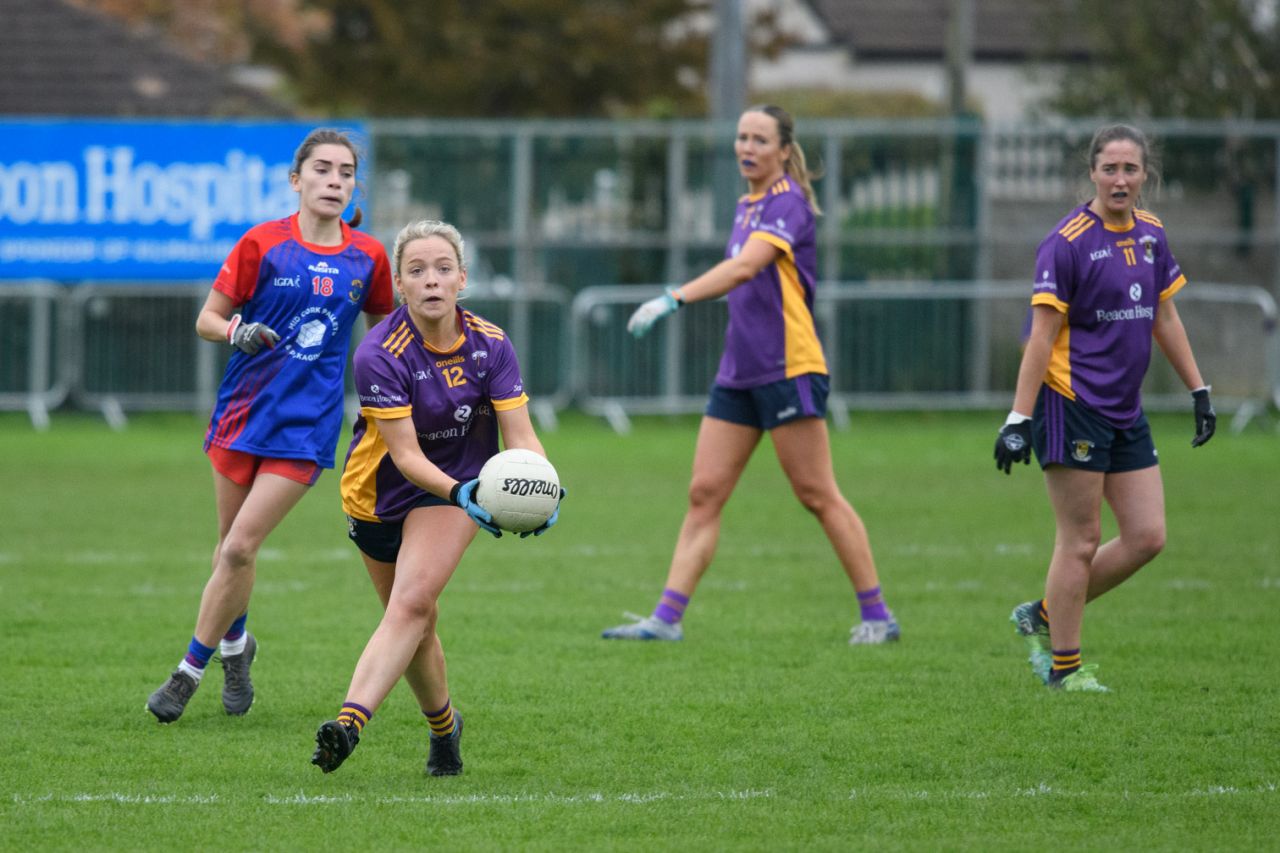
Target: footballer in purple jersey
point(438, 386)
point(1107, 280)
point(1103, 289)
point(452, 397)
point(772, 379)
point(286, 300)
point(771, 333)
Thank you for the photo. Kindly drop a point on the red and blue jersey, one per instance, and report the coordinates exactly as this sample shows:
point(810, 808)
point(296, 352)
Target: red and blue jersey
point(286, 402)
point(453, 397)
point(1108, 281)
point(771, 334)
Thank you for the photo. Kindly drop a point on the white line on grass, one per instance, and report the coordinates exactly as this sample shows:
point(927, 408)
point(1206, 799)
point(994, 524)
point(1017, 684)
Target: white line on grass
point(631, 798)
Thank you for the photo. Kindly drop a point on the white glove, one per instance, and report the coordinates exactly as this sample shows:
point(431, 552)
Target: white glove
point(250, 337)
point(653, 311)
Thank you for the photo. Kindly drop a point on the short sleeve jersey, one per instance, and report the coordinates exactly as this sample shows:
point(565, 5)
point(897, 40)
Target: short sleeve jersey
point(452, 396)
point(286, 402)
point(1108, 282)
point(771, 334)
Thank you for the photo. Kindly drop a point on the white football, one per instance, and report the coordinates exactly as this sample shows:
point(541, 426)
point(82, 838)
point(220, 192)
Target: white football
point(520, 489)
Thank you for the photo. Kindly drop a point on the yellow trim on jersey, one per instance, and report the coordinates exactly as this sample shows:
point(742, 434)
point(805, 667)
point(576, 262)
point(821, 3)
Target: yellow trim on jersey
point(1148, 217)
point(484, 327)
point(389, 414)
point(453, 346)
point(1178, 283)
point(1050, 300)
point(1058, 375)
point(359, 484)
point(778, 187)
point(510, 404)
point(396, 342)
point(1120, 229)
point(800, 338)
point(1077, 226)
point(773, 240)
point(803, 352)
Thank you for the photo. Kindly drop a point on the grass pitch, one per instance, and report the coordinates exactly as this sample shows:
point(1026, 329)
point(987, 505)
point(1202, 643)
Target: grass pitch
point(762, 730)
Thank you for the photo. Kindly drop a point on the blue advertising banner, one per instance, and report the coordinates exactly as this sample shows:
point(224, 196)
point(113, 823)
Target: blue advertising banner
point(138, 200)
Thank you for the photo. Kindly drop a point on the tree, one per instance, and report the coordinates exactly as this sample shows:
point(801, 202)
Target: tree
point(1201, 59)
point(516, 58)
point(483, 58)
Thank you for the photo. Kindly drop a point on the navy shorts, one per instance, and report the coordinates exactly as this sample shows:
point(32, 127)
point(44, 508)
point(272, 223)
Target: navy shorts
point(772, 405)
point(1064, 432)
point(381, 539)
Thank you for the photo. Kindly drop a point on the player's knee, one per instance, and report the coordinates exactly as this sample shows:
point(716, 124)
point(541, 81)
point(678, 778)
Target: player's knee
point(816, 498)
point(1081, 544)
point(237, 552)
point(1149, 542)
point(706, 495)
point(415, 612)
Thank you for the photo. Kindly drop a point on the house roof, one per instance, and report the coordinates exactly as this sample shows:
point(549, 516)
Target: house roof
point(60, 59)
point(917, 29)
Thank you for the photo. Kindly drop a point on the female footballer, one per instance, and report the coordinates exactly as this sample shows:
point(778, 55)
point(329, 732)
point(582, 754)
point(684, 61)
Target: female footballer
point(772, 378)
point(437, 387)
point(285, 300)
point(1104, 287)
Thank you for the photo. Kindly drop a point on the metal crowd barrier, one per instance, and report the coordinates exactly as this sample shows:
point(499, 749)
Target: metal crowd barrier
point(33, 370)
point(906, 345)
point(133, 347)
point(902, 345)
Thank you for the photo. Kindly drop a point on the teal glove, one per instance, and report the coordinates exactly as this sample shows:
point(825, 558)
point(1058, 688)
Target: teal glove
point(653, 311)
point(463, 496)
point(555, 516)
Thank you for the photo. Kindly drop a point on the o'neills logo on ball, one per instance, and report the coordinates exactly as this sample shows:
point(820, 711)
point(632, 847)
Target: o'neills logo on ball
point(523, 486)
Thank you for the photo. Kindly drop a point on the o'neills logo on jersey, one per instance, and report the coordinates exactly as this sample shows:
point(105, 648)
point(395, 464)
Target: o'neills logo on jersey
point(323, 268)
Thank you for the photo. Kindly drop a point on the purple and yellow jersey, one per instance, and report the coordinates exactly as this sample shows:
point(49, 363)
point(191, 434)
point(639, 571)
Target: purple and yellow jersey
point(453, 397)
point(1109, 282)
point(771, 334)
point(286, 402)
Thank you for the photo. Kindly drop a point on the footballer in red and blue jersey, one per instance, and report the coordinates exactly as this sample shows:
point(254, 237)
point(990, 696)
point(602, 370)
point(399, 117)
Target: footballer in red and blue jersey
point(285, 402)
point(452, 395)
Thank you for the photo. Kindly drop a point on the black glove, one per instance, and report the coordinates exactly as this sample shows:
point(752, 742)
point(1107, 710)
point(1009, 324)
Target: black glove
point(250, 337)
point(1206, 417)
point(1013, 444)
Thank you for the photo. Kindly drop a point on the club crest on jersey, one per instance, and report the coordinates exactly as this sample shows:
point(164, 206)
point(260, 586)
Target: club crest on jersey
point(1148, 248)
point(1082, 450)
point(479, 354)
point(356, 291)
